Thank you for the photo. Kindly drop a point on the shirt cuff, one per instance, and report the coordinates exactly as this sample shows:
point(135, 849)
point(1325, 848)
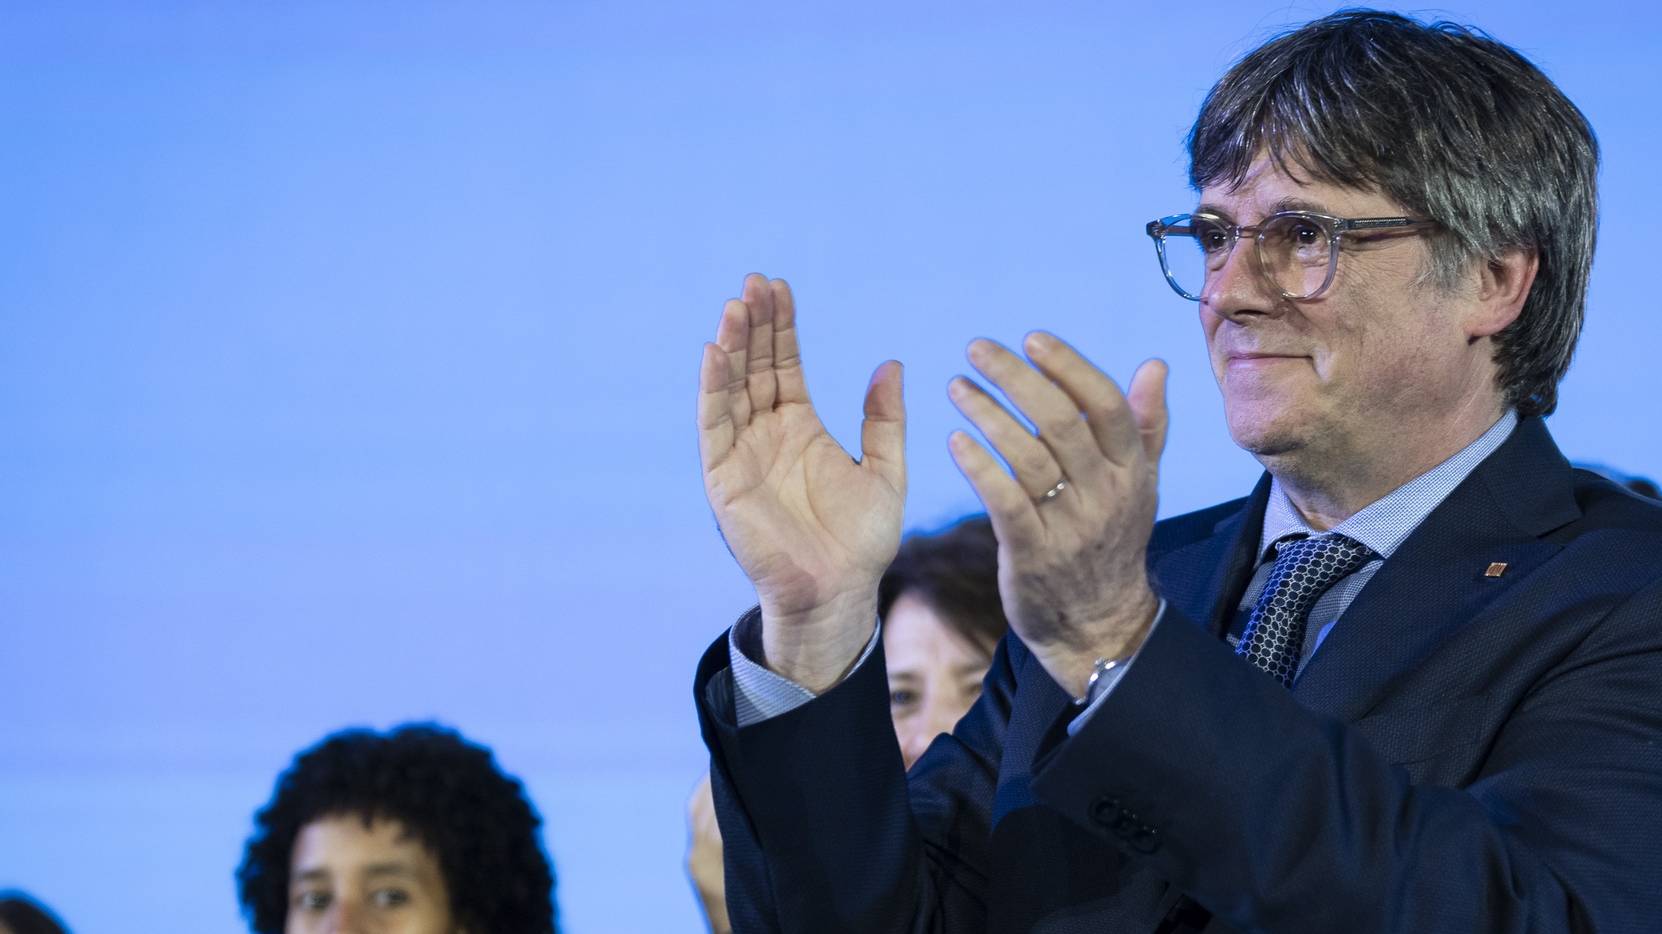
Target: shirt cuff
point(1104, 685)
point(759, 694)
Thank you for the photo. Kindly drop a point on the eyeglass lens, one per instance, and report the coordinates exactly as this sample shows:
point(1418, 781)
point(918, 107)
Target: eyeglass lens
point(1294, 252)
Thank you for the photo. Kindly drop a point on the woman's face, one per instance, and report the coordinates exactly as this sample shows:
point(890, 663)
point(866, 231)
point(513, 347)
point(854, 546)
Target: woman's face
point(346, 876)
point(934, 673)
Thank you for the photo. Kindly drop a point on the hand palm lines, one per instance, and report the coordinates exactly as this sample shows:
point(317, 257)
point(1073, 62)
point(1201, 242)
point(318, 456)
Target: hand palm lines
point(796, 476)
point(812, 528)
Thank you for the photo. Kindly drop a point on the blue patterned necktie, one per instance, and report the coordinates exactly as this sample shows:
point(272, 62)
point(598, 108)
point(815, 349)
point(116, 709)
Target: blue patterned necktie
point(1304, 569)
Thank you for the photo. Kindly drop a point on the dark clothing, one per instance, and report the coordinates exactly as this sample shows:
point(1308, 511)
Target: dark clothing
point(1466, 752)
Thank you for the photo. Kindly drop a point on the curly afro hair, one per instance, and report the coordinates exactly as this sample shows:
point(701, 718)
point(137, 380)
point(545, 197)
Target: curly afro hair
point(446, 791)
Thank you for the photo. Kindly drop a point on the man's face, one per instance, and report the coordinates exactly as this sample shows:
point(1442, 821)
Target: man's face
point(376, 879)
point(1346, 378)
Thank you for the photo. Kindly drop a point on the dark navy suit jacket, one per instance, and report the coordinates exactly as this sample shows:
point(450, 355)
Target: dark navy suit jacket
point(1466, 752)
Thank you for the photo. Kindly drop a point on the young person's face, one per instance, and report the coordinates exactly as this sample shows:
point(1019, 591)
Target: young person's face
point(934, 673)
point(346, 877)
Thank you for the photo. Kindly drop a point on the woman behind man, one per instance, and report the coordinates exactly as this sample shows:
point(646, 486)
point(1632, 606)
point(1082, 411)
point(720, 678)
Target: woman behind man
point(942, 619)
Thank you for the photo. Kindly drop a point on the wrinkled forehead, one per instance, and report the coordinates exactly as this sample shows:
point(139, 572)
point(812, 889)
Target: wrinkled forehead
point(1271, 184)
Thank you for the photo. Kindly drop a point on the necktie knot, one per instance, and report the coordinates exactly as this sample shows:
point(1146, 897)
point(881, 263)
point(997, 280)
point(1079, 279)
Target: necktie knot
point(1304, 569)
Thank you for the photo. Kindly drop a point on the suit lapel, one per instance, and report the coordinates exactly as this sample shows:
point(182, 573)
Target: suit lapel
point(1436, 582)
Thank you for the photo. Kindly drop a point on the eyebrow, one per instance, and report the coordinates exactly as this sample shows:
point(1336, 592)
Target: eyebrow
point(1288, 203)
point(964, 670)
point(322, 874)
point(390, 869)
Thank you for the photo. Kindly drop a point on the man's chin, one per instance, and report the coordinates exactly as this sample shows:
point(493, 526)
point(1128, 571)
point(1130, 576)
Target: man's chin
point(1263, 441)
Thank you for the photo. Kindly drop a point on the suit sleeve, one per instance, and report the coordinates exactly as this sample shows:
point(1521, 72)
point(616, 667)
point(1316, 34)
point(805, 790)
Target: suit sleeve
point(1276, 818)
point(822, 826)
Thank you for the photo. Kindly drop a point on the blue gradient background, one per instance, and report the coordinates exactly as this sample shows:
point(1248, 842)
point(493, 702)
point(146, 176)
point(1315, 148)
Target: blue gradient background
point(347, 359)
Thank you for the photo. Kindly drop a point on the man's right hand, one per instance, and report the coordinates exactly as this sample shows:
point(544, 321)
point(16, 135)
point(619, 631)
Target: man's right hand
point(812, 527)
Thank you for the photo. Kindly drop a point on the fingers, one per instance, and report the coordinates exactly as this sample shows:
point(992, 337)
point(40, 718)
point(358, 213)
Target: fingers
point(1036, 469)
point(760, 383)
point(1091, 392)
point(1148, 406)
point(1061, 431)
point(883, 432)
point(715, 413)
point(787, 359)
point(701, 807)
point(1015, 519)
point(733, 338)
point(758, 335)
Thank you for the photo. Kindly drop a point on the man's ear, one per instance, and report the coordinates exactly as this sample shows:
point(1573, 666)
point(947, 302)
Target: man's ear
point(1503, 284)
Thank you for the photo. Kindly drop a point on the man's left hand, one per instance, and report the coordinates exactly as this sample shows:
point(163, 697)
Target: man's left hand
point(1074, 519)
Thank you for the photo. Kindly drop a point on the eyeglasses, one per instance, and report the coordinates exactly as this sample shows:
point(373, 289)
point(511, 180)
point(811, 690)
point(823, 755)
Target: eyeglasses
point(1297, 251)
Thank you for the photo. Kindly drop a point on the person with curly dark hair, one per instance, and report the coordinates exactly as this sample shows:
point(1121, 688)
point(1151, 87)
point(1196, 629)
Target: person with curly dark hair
point(22, 914)
point(412, 830)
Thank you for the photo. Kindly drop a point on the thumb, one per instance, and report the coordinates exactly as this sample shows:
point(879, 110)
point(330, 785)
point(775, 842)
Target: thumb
point(1148, 406)
point(883, 432)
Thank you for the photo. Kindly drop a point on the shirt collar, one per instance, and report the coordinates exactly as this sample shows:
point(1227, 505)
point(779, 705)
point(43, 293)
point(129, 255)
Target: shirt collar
point(1387, 522)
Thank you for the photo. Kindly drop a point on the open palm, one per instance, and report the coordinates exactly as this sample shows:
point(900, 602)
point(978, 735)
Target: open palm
point(811, 527)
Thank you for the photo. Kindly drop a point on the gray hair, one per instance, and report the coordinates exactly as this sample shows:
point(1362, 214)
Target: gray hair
point(1453, 125)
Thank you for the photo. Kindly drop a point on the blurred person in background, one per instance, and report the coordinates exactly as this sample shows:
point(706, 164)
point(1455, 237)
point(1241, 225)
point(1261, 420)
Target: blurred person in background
point(21, 914)
point(941, 622)
point(1644, 486)
point(413, 831)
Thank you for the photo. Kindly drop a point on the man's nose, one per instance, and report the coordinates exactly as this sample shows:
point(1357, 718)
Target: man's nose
point(1238, 288)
